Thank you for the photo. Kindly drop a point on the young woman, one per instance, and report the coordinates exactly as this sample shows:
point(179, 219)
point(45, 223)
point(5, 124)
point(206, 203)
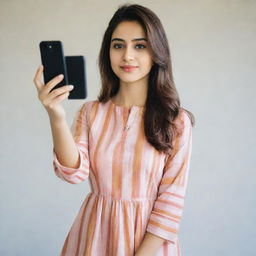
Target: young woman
point(133, 144)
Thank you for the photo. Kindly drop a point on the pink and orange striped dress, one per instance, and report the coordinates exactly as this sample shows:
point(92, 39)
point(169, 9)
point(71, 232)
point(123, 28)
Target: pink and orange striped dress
point(134, 188)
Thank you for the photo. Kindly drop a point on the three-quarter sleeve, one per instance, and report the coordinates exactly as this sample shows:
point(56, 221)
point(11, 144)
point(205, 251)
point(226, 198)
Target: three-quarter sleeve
point(79, 130)
point(164, 220)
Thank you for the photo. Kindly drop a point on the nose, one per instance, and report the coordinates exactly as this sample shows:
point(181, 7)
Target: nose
point(128, 53)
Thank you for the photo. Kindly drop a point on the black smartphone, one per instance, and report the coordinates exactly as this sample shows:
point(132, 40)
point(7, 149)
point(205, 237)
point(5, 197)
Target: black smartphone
point(76, 71)
point(53, 60)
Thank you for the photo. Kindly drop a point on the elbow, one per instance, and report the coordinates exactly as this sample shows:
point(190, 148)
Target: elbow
point(72, 175)
point(75, 176)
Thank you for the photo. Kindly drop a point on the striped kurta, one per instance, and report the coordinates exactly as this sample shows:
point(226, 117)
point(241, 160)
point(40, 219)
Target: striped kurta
point(134, 188)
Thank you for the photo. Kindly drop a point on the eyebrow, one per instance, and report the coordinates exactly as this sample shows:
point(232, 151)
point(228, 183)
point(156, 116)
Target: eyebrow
point(135, 39)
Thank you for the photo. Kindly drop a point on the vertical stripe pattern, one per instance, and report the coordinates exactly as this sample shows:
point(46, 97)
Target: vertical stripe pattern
point(134, 188)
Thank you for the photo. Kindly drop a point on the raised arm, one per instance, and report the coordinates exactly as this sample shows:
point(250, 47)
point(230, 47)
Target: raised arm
point(69, 155)
point(78, 139)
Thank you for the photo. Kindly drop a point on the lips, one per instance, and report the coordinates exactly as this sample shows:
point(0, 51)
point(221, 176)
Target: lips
point(128, 67)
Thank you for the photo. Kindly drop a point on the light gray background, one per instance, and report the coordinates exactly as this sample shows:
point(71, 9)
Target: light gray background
point(214, 59)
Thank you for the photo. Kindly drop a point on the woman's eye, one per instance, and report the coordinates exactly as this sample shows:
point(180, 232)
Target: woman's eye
point(117, 46)
point(142, 46)
point(138, 46)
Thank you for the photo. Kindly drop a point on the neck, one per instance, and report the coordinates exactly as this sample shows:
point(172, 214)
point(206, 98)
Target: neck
point(131, 94)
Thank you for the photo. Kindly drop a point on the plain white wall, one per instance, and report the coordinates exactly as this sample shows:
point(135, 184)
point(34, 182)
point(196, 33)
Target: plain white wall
point(214, 59)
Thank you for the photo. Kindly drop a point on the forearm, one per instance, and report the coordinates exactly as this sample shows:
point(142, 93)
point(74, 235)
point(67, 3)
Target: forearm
point(150, 244)
point(64, 145)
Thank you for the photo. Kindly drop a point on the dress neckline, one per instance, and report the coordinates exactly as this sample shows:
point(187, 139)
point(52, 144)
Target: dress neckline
point(123, 107)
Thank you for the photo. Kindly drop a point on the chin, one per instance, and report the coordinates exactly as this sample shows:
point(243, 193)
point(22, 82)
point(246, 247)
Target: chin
point(125, 80)
point(130, 78)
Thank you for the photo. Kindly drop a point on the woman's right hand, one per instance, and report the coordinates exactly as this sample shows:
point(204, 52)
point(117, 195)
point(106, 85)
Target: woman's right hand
point(51, 100)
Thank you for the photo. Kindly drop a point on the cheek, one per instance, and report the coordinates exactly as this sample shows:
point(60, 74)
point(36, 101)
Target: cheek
point(147, 62)
point(113, 57)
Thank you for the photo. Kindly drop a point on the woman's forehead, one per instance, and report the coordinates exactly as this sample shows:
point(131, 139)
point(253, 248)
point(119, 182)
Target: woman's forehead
point(129, 30)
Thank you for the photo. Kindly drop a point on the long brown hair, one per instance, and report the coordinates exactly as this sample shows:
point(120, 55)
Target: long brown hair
point(162, 103)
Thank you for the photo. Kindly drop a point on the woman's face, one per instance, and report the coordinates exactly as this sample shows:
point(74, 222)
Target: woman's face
point(129, 47)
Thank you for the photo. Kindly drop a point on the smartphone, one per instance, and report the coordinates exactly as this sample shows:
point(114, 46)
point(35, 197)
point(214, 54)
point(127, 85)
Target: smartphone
point(53, 60)
point(76, 72)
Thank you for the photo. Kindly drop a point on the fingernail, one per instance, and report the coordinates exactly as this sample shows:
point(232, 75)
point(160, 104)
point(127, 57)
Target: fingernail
point(61, 75)
point(71, 86)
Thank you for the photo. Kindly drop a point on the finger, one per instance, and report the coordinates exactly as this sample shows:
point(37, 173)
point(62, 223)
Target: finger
point(53, 82)
point(59, 91)
point(50, 98)
point(37, 78)
point(60, 98)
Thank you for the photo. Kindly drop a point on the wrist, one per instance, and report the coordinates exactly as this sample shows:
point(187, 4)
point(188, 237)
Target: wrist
point(56, 120)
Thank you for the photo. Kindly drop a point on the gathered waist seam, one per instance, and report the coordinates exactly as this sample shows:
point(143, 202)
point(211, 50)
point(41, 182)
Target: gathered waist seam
point(124, 199)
